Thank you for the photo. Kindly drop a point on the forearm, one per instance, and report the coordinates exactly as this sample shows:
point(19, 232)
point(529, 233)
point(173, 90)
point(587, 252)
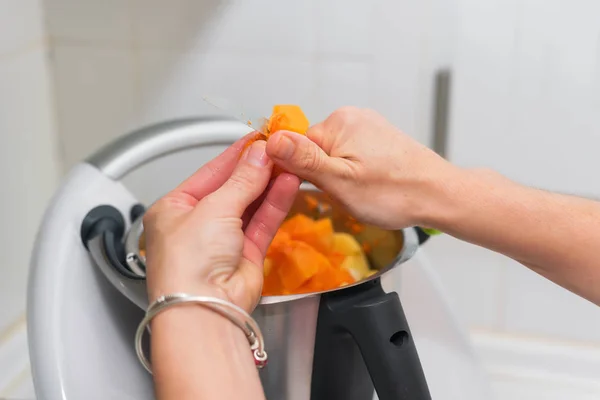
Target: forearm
point(557, 236)
point(198, 354)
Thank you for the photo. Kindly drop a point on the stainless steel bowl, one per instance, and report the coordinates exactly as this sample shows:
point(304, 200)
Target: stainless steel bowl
point(383, 247)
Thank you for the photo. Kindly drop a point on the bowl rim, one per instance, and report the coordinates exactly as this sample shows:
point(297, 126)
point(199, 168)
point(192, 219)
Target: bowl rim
point(410, 244)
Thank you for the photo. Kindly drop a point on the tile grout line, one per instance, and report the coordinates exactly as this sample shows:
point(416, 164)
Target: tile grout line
point(135, 57)
point(59, 145)
point(29, 47)
point(23, 377)
point(14, 360)
point(49, 65)
point(480, 331)
point(10, 331)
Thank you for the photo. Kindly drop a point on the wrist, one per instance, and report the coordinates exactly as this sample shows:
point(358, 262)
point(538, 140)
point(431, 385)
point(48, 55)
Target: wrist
point(441, 196)
point(195, 318)
point(192, 341)
point(166, 287)
point(455, 197)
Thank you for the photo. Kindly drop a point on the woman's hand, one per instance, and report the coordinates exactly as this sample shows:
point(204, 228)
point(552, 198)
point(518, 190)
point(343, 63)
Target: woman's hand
point(381, 175)
point(210, 234)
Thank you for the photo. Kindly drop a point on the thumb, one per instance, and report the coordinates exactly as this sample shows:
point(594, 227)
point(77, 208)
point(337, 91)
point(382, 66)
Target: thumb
point(300, 156)
point(247, 182)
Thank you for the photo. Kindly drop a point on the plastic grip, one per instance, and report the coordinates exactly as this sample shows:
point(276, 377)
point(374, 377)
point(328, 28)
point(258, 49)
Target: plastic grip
point(364, 343)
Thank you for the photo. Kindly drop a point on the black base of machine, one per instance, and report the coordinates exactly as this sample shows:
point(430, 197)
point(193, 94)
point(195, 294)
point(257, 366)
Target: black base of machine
point(363, 344)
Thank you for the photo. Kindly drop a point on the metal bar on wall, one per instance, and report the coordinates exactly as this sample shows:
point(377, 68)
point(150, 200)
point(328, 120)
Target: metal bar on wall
point(441, 111)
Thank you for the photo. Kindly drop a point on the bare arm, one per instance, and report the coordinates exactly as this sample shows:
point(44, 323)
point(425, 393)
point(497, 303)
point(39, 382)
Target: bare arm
point(196, 245)
point(201, 355)
point(555, 235)
point(386, 178)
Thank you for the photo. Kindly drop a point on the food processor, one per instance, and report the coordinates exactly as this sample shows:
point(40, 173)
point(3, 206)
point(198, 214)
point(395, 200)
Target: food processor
point(87, 294)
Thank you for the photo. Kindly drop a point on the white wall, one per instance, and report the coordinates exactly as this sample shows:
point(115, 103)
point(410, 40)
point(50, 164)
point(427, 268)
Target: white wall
point(29, 170)
point(118, 65)
point(526, 101)
point(28, 159)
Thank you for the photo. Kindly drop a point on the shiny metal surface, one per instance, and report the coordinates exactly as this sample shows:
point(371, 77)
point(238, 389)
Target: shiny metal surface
point(134, 258)
point(441, 111)
point(137, 148)
point(289, 329)
point(134, 290)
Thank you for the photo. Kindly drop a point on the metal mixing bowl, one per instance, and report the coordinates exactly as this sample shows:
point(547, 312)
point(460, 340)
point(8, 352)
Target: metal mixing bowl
point(382, 246)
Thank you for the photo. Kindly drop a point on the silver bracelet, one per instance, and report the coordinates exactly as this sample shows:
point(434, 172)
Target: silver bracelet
point(228, 310)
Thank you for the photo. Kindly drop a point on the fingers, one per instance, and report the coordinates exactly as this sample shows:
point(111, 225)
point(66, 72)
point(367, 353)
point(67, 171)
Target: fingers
point(246, 183)
point(251, 210)
point(320, 135)
point(270, 214)
point(301, 156)
point(211, 175)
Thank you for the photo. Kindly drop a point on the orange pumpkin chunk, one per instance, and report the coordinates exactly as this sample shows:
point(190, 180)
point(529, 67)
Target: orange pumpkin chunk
point(300, 262)
point(287, 117)
point(303, 258)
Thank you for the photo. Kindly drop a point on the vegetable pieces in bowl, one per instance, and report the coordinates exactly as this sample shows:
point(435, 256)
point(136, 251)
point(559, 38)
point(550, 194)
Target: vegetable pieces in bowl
point(307, 255)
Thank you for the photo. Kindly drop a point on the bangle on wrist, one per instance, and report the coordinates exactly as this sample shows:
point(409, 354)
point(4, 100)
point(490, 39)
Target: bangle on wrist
point(226, 309)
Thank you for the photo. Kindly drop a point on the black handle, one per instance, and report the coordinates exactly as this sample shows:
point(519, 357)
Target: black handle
point(363, 343)
point(423, 236)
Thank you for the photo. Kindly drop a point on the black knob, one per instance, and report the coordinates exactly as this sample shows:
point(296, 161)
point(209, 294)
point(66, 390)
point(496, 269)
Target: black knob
point(101, 219)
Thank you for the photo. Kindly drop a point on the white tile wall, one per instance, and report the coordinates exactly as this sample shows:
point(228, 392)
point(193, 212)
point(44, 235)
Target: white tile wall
point(557, 98)
point(185, 50)
point(28, 170)
point(106, 22)
point(342, 83)
point(536, 369)
point(525, 103)
point(95, 97)
point(536, 90)
point(14, 361)
point(475, 279)
point(21, 25)
point(536, 306)
point(397, 86)
point(540, 389)
point(173, 84)
point(346, 27)
point(411, 41)
point(257, 27)
point(481, 122)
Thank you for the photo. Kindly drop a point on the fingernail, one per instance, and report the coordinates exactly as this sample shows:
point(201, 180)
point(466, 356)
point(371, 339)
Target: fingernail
point(256, 154)
point(284, 148)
